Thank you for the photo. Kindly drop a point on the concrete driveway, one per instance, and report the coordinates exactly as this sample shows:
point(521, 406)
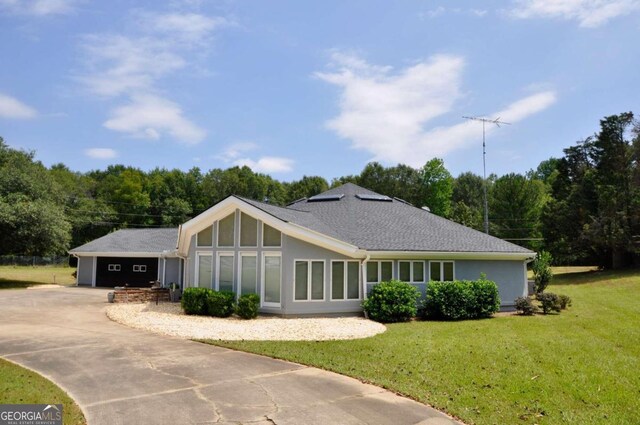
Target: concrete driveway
point(120, 375)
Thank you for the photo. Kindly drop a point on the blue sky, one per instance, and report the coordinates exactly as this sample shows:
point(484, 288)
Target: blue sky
point(317, 88)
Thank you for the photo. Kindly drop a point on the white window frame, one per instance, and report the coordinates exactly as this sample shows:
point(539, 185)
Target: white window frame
point(196, 281)
point(442, 268)
point(379, 270)
point(262, 238)
point(263, 281)
point(411, 274)
point(240, 231)
point(233, 268)
point(198, 242)
point(309, 272)
point(234, 231)
point(114, 267)
point(346, 283)
point(246, 254)
point(139, 268)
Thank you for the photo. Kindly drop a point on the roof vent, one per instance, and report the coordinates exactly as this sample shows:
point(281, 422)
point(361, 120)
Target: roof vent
point(368, 197)
point(325, 198)
point(426, 209)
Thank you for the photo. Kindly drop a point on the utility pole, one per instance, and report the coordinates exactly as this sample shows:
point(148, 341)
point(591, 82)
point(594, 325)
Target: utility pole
point(484, 121)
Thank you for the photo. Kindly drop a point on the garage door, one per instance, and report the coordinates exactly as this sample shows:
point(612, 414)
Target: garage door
point(118, 271)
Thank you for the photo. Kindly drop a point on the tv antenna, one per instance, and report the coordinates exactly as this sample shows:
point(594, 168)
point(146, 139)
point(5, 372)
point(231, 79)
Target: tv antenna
point(484, 121)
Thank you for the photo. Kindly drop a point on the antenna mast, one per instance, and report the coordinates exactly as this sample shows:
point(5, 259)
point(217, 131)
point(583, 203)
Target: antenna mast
point(484, 121)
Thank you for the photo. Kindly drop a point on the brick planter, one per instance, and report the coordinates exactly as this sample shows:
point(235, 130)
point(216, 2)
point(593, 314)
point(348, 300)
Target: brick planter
point(140, 295)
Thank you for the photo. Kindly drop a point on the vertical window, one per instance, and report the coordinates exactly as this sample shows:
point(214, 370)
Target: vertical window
point(379, 271)
point(270, 236)
point(309, 280)
point(225, 272)
point(205, 270)
point(272, 271)
point(226, 231)
point(248, 274)
point(411, 271)
point(341, 275)
point(248, 231)
point(205, 237)
point(441, 270)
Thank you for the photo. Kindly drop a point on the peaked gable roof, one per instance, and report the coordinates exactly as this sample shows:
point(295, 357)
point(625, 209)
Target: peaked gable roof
point(151, 241)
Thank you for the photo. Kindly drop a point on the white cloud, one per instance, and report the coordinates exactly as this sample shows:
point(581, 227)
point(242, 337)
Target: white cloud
point(267, 164)
point(386, 113)
point(186, 27)
point(588, 13)
point(236, 150)
point(101, 153)
point(11, 107)
point(440, 11)
point(151, 117)
point(39, 7)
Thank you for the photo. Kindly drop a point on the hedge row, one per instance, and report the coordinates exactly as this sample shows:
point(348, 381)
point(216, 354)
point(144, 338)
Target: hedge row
point(207, 302)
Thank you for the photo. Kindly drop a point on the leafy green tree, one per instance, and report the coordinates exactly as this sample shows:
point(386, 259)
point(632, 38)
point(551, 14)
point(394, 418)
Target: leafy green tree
point(306, 187)
point(542, 273)
point(467, 200)
point(437, 187)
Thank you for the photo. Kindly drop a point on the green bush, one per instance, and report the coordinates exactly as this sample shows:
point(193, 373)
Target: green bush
point(248, 305)
point(542, 273)
point(461, 299)
point(549, 302)
point(565, 301)
point(392, 301)
point(525, 306)
point(221, 303)
point(194, 300)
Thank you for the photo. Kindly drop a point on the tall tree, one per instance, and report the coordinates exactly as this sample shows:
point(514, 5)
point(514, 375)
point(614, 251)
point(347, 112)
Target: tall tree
point(467, 200)
point(437, 187)
point(306, 187)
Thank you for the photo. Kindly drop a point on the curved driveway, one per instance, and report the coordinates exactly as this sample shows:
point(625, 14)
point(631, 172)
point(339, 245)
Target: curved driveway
point(120, 375)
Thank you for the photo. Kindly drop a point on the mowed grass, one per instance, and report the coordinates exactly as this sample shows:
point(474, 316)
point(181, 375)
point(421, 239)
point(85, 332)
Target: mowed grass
point(579, 367)
point(22, 386)
point(12, 277)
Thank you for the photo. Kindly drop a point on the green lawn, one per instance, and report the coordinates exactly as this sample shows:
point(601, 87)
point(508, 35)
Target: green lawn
point(25, 276)
point(579, 367)
point(22, 386)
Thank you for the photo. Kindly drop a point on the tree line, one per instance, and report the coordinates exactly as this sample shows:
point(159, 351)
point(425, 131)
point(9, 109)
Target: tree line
point(583, 207)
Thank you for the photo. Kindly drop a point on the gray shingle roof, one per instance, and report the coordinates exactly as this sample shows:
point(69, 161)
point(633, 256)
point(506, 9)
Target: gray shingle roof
point(133, 240)
point(386, 226)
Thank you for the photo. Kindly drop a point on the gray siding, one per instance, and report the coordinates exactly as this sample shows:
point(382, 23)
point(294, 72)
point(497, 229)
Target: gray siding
point(510, 276)
point(85, 270)
point(172, 271)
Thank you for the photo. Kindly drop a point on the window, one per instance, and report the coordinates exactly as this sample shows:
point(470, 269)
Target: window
point(271, 274)
point(309, 280)
point(411, 271)
point(204, 276)
point(225, 272)
point(341, 274)
point(139, 268)
point(270, 236)
point(248, 231)
point(441, 270)
point(248, 273)
point(226, 231)
point(114, 267)
point(205, 237)
point(379, 271)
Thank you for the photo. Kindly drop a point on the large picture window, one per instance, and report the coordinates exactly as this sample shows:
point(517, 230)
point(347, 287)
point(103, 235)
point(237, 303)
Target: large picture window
point(379, 271)
point(248, 231)
point(411, 271)
point(205, 270)
point(441, 270)
point(345, 280)
point(271, 237)
point(205, 237)
point(272, 270)
point(226, 231)
point(248, 273)
point(309, 280)
point(225, 272)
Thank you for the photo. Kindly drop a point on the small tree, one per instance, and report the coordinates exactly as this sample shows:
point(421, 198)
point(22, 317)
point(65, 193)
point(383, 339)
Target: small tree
point(542, 271)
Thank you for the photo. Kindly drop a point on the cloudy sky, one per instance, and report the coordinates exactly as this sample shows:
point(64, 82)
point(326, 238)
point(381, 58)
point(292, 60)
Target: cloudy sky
point(312, 87)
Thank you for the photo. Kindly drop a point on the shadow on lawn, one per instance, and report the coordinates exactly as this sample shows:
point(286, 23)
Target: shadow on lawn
point(18, 284)
point(591, 276)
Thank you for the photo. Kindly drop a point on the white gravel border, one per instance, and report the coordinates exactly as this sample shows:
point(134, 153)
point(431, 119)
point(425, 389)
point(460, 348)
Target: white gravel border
point(168, 319)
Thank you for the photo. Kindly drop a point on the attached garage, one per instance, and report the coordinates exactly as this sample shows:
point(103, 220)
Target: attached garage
point(133, 257)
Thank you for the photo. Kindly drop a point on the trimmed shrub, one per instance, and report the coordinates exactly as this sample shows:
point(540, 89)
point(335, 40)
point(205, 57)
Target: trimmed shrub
point(461, 299)
point(392, 301)
point(525, 306)
point(565, 301)
point(194, 300)
point(542, 273)
point(248, 305)
point(549, 302)
point(221, 303)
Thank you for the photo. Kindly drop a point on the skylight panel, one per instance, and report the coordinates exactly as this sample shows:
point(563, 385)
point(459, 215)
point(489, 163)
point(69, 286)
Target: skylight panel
point(368, 197)
point(325, 198)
